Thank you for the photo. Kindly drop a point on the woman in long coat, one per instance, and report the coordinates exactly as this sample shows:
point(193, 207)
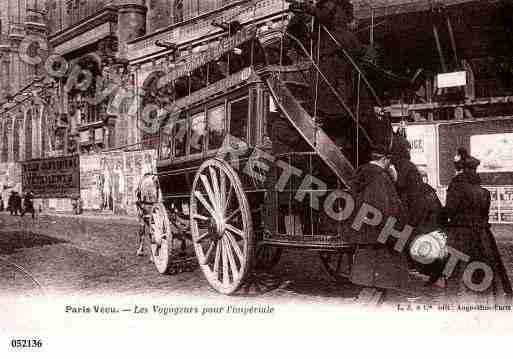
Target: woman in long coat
point(420, 201)
point(466, 214)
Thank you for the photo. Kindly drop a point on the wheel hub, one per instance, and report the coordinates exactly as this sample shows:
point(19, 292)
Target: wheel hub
point(216, 227)
point(158, 232)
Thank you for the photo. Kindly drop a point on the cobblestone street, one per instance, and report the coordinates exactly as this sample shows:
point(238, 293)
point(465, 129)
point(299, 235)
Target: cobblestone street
point(95, 255)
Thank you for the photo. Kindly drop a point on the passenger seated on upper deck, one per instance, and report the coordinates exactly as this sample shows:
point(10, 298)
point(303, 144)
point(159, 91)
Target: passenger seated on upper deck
point(337, 16)
point(244, 55)
point(198, 79)
point(181, 87)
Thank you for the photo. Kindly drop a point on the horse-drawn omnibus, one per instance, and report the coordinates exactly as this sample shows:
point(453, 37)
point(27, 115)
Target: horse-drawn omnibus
point(247, 164)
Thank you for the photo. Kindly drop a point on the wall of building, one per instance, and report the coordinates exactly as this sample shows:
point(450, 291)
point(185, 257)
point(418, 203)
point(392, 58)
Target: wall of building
point(65, 13)
point(17, 20)
point(162, 13)
point(19, 129)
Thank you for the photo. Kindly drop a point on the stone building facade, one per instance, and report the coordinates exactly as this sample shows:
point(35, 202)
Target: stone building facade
point(20, 116)
point(100, 62)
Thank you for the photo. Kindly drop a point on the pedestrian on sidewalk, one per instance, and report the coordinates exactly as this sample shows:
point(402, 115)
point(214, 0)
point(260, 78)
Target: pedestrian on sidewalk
point(14, 203)
point(28, 205)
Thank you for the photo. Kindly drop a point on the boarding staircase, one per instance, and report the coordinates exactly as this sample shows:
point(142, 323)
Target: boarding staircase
point(293, 89)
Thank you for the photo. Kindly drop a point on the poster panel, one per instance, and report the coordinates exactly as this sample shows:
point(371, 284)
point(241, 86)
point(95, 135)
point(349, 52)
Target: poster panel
point(506, 198)
point(90, 181)
point(494, 217)
point(494, 205)
point(495, 151)
point(490, 141)
point(109, 180)
point(422, 139)
point(57, 177)
point(506, 217)
point(10, 180)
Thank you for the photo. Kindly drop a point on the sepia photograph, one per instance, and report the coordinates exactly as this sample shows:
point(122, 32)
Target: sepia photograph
point(237, 167)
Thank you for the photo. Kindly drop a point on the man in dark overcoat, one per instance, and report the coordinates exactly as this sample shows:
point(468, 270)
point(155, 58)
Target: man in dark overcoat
point(28, 204)
point(14, 203)
point(377, 265)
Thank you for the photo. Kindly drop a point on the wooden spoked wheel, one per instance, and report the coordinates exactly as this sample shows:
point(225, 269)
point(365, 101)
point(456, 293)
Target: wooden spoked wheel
point(338, 264)
point(221, 226)
point(161, 238)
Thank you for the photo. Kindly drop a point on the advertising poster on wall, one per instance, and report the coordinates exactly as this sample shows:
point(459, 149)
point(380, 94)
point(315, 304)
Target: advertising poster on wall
point(109, 179)
point(501, 204)
point(10, 175)
point(506, 204)
point(422, 140)
point(89, 181)
point(57, 177)
point(10, 180)
point(494, 204)
point(495, 151)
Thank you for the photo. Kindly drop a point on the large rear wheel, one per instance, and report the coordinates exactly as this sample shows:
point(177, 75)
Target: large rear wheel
point(221, 226)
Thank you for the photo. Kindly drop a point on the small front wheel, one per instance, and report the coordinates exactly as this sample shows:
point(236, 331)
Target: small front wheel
point(161, 238)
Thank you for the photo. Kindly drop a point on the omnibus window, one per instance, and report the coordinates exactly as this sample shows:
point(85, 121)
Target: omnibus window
point(239, 119)
point(198, 130)
point(180, 137)
point(216, 127)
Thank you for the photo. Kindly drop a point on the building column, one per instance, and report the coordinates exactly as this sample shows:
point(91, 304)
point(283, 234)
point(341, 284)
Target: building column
point(10, 139)
point(131, 22)
point(21, 151)
point(2, 129)
point(36, 132)
point(135, 111)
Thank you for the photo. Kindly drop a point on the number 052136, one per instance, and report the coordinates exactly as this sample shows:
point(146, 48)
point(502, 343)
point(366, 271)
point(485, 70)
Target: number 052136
point(26, 343)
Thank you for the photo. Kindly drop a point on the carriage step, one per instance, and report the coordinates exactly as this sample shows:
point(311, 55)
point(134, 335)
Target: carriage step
point(297, 115)
point(181, 265)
